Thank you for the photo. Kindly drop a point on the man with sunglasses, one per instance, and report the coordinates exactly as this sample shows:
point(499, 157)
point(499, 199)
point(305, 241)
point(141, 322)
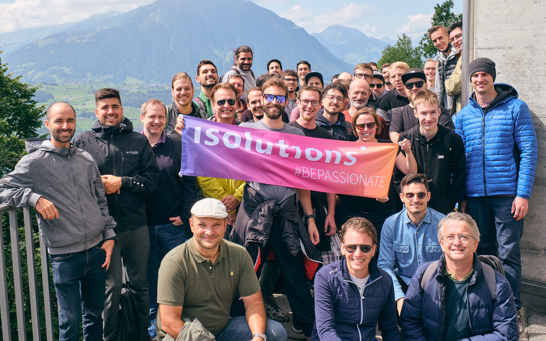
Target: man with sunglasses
point(353, 295)
point(404, 118)
point(268, 219)
point(462, 298)
point(333, 119)
point(377, 85)
point(409, 238)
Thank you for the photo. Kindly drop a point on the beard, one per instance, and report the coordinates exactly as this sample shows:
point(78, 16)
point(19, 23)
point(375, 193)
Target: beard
point(58, 138)
point(208, 86)
point(358, 105)
point(272, 115)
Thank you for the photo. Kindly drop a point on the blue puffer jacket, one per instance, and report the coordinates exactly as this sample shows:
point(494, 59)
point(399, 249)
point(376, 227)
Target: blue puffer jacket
point(424, 314)
point(342, 314)
point(494, 140)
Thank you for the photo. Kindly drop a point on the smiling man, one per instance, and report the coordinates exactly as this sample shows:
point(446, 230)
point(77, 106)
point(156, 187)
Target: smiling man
point(398, 96)
point(454, 83)
point(458, 297)
point(446, 60)
point(332, 119)
point(242, 64)
point(207, 77)
point(129, 172)
point(409, 238)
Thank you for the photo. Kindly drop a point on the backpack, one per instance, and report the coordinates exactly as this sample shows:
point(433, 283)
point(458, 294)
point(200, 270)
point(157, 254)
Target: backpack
point(130, 327)
point(200, 103)
point(233, 68)
point(489, 265)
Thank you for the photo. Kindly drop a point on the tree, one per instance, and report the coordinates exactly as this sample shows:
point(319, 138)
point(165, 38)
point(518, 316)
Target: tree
point(442, 16)
point(19, 118)
point(402, 51)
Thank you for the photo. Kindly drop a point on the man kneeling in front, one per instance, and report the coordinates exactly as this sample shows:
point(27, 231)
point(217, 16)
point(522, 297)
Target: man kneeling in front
point(459, 297)
point(199, 279)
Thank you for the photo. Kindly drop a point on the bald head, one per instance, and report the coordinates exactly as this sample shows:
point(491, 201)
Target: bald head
point(345, 75)
point(59, 106)
point(360, 83)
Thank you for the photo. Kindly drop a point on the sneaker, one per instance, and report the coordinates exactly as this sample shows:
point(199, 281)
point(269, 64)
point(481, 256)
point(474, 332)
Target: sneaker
point(274, 312)
point(296, 329)
point(151, 331)
point(520, 325)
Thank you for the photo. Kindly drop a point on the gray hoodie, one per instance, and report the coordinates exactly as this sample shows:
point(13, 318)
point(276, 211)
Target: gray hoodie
point(70, 179)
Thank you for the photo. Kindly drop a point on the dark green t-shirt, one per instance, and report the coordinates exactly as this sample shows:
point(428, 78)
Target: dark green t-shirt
point(206, 291)
point(457, 320)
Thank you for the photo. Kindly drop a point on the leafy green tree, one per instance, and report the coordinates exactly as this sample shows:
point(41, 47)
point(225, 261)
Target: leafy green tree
point(402, 51)
point(19, 118)
point(442, 16)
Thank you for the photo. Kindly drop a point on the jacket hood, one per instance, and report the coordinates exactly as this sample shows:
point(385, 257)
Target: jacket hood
point(322, 119)
point(38, 144)
point(505, 92)
point(124, 125)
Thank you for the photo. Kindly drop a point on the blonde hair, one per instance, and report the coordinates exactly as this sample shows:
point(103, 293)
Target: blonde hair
point(399, 65)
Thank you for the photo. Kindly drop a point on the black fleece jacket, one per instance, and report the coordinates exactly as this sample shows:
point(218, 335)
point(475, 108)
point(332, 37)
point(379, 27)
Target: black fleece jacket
point(122, 152)
point(445, 168)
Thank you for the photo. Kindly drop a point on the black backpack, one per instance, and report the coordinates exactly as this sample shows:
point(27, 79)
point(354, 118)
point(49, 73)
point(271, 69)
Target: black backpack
point(130, 327)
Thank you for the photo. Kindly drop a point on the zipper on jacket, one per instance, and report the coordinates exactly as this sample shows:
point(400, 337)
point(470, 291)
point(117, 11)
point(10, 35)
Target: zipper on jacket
point(483, 152)
point(361, 303)
point(443, 312)
point(111, 146)
point(468, 308)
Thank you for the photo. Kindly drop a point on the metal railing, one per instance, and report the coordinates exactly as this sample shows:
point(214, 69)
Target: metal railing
point(18, 280)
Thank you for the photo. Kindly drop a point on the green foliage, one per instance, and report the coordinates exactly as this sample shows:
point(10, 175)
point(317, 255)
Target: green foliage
point(402, 51)
point(19, 117)
point(442, 16)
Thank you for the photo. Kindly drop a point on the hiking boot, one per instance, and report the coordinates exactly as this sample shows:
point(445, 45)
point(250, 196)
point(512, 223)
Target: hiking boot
point(151, 331)
point(274, 312)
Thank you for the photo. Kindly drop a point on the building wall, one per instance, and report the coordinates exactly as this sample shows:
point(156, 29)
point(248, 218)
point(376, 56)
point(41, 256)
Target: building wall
point(513, 35)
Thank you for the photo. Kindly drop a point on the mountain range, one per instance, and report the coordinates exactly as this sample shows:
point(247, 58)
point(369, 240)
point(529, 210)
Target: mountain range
point(153, 42)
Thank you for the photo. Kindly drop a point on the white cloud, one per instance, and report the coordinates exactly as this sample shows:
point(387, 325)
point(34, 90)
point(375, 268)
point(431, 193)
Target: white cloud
point(416, 23)
point(367, 29)
point(36, 13)
point(350, 15)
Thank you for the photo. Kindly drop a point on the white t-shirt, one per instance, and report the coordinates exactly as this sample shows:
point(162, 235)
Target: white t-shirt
point(360, 283)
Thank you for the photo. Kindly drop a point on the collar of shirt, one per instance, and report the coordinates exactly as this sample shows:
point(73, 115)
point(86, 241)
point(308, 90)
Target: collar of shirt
point(427, 219)
point(199, 258)
point(452, 276)
point(203, 97)
point(162, 139)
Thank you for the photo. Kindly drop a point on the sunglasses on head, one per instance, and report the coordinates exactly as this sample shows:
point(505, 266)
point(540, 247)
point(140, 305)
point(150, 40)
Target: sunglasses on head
point(363, 247)
point(378, 85)
point(420, 195)
point(280, 99)
point(370, 126)
point(418, 85)
point(221, 102)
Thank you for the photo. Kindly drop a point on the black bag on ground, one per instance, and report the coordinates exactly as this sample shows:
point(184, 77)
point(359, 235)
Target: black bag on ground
point(130, 326)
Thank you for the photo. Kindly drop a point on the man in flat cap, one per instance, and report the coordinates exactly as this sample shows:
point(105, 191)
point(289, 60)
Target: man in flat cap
point(199, 279)
point(501, 158)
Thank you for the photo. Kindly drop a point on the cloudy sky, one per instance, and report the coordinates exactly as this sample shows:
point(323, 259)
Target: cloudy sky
point(375, 18)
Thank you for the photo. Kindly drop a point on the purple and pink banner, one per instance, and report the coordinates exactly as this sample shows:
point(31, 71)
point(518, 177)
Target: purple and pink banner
point(220, 150)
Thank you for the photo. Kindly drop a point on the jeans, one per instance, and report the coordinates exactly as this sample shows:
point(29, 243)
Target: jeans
point(237, 329)
point(163, 238)
point(79, 280)
point(377, 219)
point(500, 235)
point(133, 246)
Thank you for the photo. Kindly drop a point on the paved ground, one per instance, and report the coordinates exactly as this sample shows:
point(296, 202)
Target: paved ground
point(535, 323)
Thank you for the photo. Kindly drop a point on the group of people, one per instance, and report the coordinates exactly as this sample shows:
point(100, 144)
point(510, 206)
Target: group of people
point(203, 255)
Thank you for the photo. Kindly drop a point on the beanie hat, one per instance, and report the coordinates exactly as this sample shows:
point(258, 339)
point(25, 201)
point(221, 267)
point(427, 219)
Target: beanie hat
point(483, 64)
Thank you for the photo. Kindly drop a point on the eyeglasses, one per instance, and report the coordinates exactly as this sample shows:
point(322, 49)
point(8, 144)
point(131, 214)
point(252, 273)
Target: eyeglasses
point(221, 102)
point(291, 80)
point(363, 247)
point(306, 103)
point(420, 195)
point(418, 85)
point(370, 126)
point(332, 98)
point(280, 99)
point(463, 238)
point(378, 85)
point(363, 75)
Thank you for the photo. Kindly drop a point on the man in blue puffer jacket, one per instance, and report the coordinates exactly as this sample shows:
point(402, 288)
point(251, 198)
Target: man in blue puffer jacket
point(501, 158)
point(458, 297)
point(352, 295)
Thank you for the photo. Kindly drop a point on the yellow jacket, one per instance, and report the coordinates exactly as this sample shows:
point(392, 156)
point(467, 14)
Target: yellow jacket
point(219, 188)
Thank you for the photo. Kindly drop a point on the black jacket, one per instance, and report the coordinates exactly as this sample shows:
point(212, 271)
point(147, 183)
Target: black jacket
point(122, 152)
point(341, 130)
point(172, 114)
point(403, 119)
point(445, 168)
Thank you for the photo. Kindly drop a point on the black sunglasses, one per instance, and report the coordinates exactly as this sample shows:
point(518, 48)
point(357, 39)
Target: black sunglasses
point(373, 85)
point(420, 195)
point(418, 84)
point(223, 101)
point(280, 99)
point(363, 247)
point(370, 126)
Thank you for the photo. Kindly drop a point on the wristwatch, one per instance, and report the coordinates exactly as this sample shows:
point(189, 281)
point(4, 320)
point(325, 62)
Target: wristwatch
point(308, 216)
point(260, 335)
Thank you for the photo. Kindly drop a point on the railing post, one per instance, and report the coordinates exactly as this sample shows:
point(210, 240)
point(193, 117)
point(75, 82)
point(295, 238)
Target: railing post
point(17, 279)
point(47, 291)
point(32, 276)
point(4, 306)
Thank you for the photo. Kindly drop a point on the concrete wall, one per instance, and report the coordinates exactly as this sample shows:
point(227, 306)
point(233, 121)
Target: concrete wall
point(513, 34)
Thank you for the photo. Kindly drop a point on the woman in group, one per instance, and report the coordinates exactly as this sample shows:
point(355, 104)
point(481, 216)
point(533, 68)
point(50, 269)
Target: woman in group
point(353, 295)
point(367, 125)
